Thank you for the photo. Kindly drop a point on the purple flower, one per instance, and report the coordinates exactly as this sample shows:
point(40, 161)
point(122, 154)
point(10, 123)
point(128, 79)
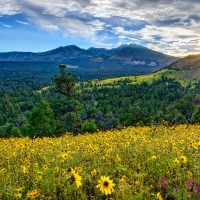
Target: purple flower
point(196, 188)
point(190, 184)
point(165, 183)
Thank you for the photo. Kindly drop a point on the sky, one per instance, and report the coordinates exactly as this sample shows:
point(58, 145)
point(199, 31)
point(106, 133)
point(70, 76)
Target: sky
point(169, 26)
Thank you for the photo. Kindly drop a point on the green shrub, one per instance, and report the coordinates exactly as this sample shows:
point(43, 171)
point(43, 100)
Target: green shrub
point(89, 126)
point(15, 132)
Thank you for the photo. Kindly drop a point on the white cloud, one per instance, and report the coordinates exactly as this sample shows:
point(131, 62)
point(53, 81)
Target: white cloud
point(51, 27)
point(9, 7)
point(97, 24)
point(21, 22)
point(56, 9)
point(76, 27)
point(7, 26)
point(67, 26)
point(176, 41)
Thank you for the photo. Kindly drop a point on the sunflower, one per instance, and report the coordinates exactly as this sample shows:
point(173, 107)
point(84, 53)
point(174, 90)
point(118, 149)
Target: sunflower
point(117, 158)
point(159, 197)
point(189, 173)
point(79, 169)
point(75, 178)
point(93, 173)
point(183, 159)
point(137, 182)
point(106, 185)
point(18, 196)
point(20, 189)
point(45, 167)
point(176, 161)
point(33, 194)
point(64, 155)
point(38, 178)
point(153, 157)
point(35, 165)
point(3, 170)
point(56, 169)
point(23, 169)
point(121, 181)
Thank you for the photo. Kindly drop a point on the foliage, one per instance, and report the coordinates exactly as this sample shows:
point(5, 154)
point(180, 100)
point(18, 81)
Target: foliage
point(15, 132)
point(88, 126)
point(110, 103)
point(69, 112)
point(64, 82)
point(41, 120)
point(196, 115)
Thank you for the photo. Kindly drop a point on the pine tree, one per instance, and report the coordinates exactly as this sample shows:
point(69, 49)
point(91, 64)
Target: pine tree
point(69, 113)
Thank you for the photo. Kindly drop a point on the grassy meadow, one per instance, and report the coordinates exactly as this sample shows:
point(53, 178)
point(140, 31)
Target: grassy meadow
point(182, 76)
point(143, 163)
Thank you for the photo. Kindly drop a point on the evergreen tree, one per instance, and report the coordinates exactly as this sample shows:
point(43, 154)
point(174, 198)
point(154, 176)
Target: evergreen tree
point(69, 112)
point(41, 120)
point(64, 82)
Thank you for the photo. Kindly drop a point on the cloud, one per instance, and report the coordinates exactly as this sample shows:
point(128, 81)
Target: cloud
point(51, 27)
point(7, 26)
point(97, 24)
point(170, 26)
point(177, 41)
point(9, 7)
point(21, 22)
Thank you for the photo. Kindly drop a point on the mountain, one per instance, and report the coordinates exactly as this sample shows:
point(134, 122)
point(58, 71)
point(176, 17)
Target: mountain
point(135, 54)
point(106, 52)
point(131, 55)
point(15, 56)
point(55, 55)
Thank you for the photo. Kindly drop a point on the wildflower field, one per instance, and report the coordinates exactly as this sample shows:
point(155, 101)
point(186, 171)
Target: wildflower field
point(132, 163)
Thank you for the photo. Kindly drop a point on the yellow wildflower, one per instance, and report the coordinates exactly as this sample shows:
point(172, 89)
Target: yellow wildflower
point(33, 194)
point(176, 161)
point(153, 157)
point(183, 159)
point(45, 167)
point(159, 197)
point(56, 169)
point(76, 178)
point(93, 173)
point(18, 196)
point(106, 185)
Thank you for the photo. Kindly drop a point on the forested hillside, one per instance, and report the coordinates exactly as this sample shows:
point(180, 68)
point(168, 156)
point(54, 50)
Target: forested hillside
point(90, 105)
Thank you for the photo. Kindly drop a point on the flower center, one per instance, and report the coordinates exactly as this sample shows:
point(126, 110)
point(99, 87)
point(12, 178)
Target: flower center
point(105, 183)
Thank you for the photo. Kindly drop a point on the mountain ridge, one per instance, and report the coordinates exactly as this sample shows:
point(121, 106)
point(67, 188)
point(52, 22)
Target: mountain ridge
point(130, 55)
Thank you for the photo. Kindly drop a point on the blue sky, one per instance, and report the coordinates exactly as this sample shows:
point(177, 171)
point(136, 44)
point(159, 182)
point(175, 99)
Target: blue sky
point(168, 26)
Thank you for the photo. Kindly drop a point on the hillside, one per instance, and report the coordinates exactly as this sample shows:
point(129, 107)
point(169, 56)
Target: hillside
point(191, 62)
point(185, 70)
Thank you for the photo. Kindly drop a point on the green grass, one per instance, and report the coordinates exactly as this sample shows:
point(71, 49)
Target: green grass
point(184, 77)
